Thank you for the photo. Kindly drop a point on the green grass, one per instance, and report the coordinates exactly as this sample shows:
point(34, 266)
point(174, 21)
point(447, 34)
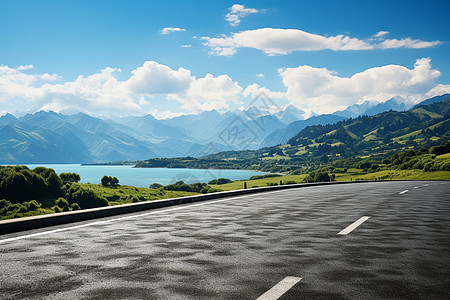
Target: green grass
point(395, 174)
point(115, 195)
point(124, 193)
point(239, 184)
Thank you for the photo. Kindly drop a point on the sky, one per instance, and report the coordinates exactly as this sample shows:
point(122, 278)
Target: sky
point(166, 58)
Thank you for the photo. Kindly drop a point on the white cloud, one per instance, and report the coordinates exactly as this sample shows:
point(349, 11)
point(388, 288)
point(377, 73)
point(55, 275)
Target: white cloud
point(254, 90)
point(209, 93)
point(381, 34)
point(238, 11)
point(143, 101)
point(100, 92)
point(168, 30)
point(314, 89)
point(186, 46)
point(103, 94)
point(155, 78)
point(407, 43)
point(260, 75)
point(164, 114)
point(323, 91)
point(275, 41)
point(25, 67)
point(438, 90)
point(15, 83)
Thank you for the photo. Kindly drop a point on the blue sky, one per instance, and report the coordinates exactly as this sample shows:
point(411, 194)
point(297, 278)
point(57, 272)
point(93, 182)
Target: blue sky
point(115, 58)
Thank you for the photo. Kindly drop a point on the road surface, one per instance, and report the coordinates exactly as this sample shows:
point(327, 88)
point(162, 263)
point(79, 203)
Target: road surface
point(385, 240)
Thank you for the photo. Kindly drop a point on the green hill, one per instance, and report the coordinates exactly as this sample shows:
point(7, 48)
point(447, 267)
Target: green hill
point(367, 137)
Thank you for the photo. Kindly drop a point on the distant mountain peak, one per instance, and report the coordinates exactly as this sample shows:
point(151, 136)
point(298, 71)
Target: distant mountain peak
point(371, 107)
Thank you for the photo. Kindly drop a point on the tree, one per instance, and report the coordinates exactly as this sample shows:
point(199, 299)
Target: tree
point(317, 177)
point(109, 181)
point(54, 184)
point(156, 185)
point(114, 181)
point(70, 177)
point(106, 180)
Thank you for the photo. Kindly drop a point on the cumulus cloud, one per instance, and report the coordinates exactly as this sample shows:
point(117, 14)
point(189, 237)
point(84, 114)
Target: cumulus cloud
point(101, 92)
point(104, 94)
point(209, 93)
point(324, 91)
point(313, 89)
point(254, 90)
point(275, 41)
point(15, 83)
point(168, 30)
point(260, 75)
point(155, 78)
point(237, 12)
point(186, 46)
point(25, 67)
point(438, 90)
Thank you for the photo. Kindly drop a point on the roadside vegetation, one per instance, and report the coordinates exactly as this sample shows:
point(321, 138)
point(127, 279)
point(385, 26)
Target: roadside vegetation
point(29, 192)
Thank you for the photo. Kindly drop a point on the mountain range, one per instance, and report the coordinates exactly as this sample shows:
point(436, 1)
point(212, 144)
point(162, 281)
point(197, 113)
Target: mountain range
point(49, 137)
point(366, 137)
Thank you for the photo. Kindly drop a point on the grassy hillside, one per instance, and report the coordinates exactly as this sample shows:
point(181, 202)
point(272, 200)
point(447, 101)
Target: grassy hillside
point(368, 137)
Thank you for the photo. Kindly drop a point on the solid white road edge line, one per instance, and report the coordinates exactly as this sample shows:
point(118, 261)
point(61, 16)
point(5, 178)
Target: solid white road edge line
point(354, 225)
point(125, 218)
point(280, 288)
point(405, 191)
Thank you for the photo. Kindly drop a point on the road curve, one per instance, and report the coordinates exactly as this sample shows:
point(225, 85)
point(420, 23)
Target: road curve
point(385, 240)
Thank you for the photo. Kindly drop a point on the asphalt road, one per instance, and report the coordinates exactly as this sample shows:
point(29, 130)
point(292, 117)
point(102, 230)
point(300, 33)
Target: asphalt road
point(247, 246)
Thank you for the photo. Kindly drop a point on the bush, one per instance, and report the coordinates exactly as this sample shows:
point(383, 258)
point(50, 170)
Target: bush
point(109, 181)
point(220, 181)
point(86, 198)
point(33, 205)
point(61, 203)
point(178, 186)
point(70, 177)
point(365, 165)
point(156, 185)
point(442, 149)
point(74, 206)
point(254, 177)
point(205, 189)
point(181, 186)
point(317, 177)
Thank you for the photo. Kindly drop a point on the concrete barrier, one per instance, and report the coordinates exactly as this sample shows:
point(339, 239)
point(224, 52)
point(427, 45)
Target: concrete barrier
point(35, 222)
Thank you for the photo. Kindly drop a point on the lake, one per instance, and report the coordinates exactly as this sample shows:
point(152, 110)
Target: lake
point(143, 177)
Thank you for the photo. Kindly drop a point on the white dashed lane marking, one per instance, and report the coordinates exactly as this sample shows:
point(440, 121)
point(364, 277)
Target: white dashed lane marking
point(280, 288)
point(354, 225)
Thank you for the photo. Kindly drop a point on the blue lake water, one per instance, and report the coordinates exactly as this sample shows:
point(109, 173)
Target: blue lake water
point(143, 177)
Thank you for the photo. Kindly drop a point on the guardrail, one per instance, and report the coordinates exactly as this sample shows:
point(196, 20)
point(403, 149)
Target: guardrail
point(35, 222)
